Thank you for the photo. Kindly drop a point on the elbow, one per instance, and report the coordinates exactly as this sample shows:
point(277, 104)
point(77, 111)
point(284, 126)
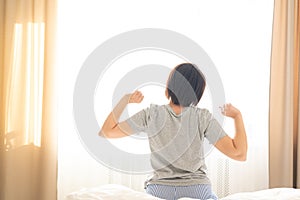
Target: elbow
point(100, 133)
point(103, 133)
point(241, 156)
point(108, 133)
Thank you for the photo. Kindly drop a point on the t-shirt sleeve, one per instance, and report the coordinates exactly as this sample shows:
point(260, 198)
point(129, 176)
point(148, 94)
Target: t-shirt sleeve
point(139, 121)
point(213, 130)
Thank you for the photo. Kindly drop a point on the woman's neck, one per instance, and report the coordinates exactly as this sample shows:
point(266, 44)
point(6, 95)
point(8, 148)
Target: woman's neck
point(176, 108)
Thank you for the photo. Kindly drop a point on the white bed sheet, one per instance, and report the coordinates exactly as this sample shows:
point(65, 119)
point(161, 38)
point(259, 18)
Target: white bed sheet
point(109, 192)
point(269, 194)
point(119, 192)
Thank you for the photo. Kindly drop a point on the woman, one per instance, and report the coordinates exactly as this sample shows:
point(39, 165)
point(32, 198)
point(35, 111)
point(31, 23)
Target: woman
point(176, 133)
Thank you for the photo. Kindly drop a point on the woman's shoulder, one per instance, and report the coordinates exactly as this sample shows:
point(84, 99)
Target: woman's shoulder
point(200, 110)
point(202, 113)
point(155, 108)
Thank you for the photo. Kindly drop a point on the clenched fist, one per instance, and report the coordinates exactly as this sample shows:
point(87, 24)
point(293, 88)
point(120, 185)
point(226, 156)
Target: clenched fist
point(230, 111)
point(136, 97)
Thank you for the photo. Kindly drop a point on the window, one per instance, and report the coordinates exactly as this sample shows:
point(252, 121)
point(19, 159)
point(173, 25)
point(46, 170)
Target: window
point(24, 120)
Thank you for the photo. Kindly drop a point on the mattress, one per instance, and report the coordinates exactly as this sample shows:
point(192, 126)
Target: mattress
point(119, 192)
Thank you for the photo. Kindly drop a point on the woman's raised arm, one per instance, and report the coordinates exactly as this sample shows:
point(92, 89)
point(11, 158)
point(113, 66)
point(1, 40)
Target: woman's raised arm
point(237, 147)
point(111, 127)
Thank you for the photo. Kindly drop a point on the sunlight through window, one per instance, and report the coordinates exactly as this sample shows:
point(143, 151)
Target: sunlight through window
point(27, 63)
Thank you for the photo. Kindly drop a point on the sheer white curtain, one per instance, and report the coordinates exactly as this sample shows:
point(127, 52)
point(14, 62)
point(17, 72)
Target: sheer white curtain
point(235, 34)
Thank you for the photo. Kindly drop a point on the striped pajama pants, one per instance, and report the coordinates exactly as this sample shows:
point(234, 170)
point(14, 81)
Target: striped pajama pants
point(202, 191)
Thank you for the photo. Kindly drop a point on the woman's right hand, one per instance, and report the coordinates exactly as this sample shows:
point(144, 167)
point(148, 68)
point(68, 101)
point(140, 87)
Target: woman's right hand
point(229, 110)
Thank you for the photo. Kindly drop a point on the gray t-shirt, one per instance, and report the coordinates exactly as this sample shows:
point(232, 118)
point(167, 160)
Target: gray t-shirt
point(177, 142)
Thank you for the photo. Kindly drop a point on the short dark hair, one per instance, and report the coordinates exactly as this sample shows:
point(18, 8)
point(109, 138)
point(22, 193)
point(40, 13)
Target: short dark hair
point(186, 85)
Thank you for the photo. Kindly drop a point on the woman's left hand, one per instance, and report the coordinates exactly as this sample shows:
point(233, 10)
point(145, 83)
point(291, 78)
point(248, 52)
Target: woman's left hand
point(136, 97)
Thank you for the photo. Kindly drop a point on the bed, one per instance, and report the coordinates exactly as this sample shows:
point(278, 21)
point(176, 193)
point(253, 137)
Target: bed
point(119, 192)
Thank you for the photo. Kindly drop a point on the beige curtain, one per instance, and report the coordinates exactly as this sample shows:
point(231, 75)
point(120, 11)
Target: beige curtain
point(28, 160)
point(284, 119)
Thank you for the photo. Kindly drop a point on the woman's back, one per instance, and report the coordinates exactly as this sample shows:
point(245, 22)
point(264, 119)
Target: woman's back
point(176, 142)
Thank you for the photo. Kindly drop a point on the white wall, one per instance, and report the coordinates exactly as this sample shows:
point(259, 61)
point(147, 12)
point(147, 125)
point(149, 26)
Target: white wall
point(236, 34)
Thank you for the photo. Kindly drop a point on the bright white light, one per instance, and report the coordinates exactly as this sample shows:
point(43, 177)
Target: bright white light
point(28, 58)
point(235, 34)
